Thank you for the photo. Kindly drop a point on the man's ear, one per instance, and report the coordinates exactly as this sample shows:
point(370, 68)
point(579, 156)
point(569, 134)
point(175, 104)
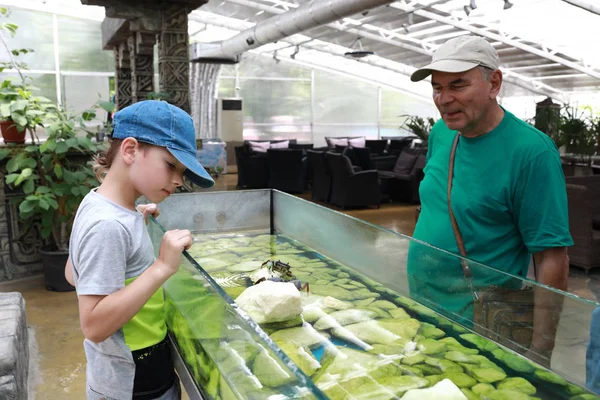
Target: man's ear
point(129, 147)
point(496, 82)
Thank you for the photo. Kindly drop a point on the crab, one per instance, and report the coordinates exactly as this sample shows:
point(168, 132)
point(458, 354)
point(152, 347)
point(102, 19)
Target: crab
point(276, 271)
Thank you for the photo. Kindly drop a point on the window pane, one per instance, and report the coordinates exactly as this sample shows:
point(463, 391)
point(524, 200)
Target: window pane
point(395, 106)
point(228, 70)
point(34, 32)
point(78, 100)
point(46, 83)
point(80, 44)
point(281, 102)
point(344, 100)
point(322, 131)
point(260, 66)
point(226, 87)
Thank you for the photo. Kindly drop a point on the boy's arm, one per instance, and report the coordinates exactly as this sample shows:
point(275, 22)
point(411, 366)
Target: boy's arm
point(69, 272)
point(100, 316)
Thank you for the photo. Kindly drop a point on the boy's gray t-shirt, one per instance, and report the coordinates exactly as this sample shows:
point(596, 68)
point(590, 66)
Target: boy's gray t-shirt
point(109, 244)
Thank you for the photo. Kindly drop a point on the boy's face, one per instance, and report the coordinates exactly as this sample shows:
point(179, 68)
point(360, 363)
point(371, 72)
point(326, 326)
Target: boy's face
point(156, 173)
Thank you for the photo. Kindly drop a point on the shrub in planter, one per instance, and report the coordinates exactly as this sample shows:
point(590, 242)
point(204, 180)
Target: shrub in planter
point(53, 181)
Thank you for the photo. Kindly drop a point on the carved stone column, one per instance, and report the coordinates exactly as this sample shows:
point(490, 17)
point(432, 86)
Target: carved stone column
point(122, 76)
point(19, 244)
point(141, 53)
point(173, 56)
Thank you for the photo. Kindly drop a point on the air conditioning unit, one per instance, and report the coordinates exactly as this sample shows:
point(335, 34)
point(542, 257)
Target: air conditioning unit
point(230, 128)
point(230, 120)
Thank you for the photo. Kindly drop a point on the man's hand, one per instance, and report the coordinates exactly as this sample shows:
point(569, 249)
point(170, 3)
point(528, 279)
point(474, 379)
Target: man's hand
point(541, 357)
point(148, 209)
point(552, 270)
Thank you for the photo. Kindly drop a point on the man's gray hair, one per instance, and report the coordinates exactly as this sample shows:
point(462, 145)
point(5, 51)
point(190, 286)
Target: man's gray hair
point(486, 72)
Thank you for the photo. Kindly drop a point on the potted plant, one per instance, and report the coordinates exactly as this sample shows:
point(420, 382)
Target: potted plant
point(53, 183)
point(420, 127)
point(20, 109)
point(578, 134)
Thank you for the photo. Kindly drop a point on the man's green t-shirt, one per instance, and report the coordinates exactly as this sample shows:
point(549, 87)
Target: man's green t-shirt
point(509, 200)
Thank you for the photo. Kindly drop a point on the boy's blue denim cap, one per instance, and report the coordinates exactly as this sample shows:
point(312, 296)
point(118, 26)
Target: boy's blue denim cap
point(162, 124)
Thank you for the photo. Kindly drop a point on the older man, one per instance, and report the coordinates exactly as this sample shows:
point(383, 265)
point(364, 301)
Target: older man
point(508, 193)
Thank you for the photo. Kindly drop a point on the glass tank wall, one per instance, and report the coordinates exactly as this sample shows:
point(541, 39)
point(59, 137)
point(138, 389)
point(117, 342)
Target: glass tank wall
point(368, 329)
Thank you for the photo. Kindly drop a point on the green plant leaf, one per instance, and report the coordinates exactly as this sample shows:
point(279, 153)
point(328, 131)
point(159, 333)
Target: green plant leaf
point(42, 189)
point(52, 202)
point(83, 190)
point(69, 177)
point(5, 110)
point(29, 163)
point(11, 178)
point(61, 147)
point(31, 149)
point(4, 153)
point(49, 144)
point(43, 99)
point(13, 164)
point(75, 191)
point(19, 105)
point(26, 206)
point(107, 106)
point(46, 232)
point(88, 115)
point(26, 173)
point(58, 171)
point(73, 142)
point(19, 119)
point(29, 186)
point(12, 28)
point(44, 204)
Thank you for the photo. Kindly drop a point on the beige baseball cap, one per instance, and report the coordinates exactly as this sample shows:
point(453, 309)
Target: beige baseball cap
point(459, 55)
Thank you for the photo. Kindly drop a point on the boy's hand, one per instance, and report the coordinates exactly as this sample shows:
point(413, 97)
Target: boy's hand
point(173, 244)
point(148, 209)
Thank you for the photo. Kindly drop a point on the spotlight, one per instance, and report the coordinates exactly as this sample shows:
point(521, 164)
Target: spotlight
point(296, 51)
point(507, 4)
point(470, 7)
point(357, 53)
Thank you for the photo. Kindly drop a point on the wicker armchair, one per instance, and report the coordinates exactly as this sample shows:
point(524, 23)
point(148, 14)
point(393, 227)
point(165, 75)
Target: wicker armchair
point(584, 211)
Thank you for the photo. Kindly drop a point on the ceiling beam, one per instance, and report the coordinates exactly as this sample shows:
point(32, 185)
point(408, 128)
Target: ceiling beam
point(386, 36)
point(510, 77)
point(584, 5)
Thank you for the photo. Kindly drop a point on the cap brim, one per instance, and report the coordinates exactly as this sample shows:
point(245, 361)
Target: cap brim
point(194, 170)
point(443, 66)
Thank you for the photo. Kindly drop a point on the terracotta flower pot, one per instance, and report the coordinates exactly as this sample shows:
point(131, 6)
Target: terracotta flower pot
point(10, 132)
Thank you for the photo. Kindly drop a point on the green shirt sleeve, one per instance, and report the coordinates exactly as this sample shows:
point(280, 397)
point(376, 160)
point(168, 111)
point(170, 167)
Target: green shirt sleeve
point(540, 204)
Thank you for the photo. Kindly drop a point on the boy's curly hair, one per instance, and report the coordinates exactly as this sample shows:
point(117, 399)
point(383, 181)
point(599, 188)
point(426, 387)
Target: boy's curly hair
point(102, 161)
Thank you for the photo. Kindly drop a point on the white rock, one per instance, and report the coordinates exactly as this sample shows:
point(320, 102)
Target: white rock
point(443, 390)
point(410, 347)
point(271, 302)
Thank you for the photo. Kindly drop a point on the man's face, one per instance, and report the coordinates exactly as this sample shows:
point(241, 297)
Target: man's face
point(463, 98)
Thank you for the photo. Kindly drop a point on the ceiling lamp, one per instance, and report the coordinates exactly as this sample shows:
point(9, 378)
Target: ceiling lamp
point(296, 51)
point(361, 53)
point(507, 4)
point(470, 7)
